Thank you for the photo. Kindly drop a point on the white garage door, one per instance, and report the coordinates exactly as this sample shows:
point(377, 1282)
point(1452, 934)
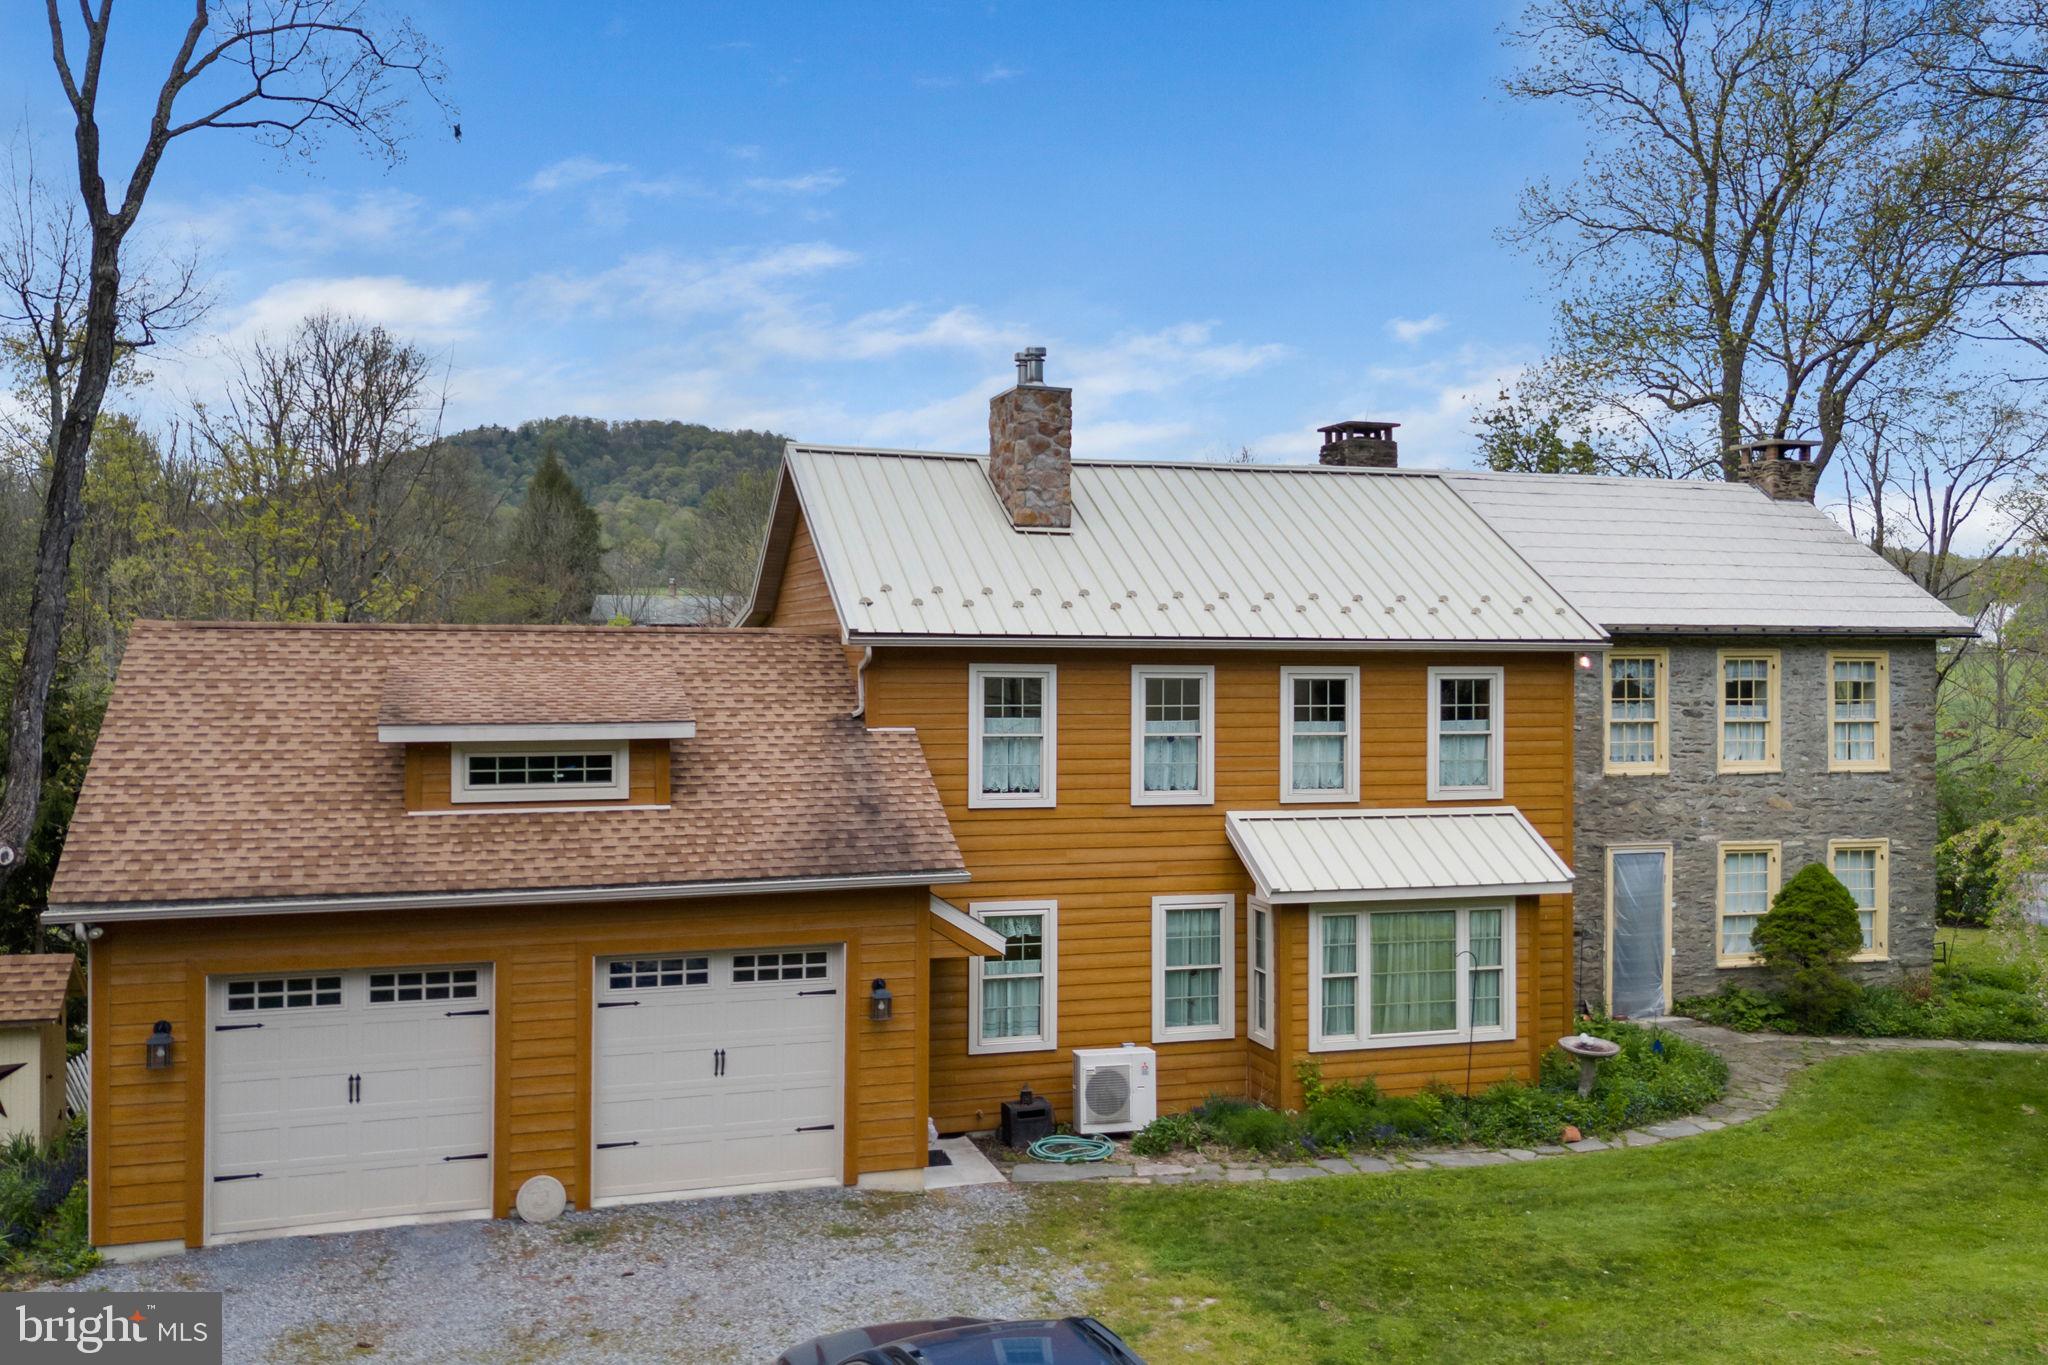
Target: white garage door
point(717, 1071)
point(342, 1099)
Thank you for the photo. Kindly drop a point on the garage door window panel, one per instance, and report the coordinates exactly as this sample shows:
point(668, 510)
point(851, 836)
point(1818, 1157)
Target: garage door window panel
point(284, 992)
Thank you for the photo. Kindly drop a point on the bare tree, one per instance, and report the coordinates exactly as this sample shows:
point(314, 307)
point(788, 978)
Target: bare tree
point(1783, 197)
point(284, 71)
point(324, 450)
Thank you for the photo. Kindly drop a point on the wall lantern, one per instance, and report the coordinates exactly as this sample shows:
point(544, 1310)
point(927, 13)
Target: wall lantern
point(1586, 663)
point(158, 1048)
point(881, 1004)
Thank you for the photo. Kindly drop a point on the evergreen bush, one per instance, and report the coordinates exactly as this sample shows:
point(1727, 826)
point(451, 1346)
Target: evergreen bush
point(1806, 940)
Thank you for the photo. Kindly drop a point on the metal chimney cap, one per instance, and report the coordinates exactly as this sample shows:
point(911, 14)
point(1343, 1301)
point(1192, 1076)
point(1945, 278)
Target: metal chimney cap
point(1031, 365)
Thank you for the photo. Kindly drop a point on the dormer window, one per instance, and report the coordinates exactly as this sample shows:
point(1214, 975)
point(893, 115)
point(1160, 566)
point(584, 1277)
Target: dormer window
point(514, 772)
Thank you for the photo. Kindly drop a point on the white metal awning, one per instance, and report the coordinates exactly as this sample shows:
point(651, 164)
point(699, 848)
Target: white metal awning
point(1382, 855)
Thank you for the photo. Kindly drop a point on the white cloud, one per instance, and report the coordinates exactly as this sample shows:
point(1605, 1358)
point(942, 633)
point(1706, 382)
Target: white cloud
point(1408, 331)
point(999, 73)
point(816, 182)
point(417, 312)
point(571, 172)
point(672, 287)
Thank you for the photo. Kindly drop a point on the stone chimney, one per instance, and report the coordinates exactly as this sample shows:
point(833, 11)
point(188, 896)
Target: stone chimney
point(1361, 445)
point(1031, 447)
point(1783, 469)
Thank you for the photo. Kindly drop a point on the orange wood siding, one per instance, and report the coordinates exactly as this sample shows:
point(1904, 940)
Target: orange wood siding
point(804, 603)
point(148, 1154)
point(429, 779)
point(1103, 860)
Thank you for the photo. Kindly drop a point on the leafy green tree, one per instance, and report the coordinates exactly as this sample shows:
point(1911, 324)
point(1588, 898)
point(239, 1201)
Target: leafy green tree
point(1515, 438)
point(555, 555)
point(77, 702)
point(1806, 940)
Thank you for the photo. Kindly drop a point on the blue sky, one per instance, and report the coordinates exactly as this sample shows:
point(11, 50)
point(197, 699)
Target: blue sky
point(1228, 224)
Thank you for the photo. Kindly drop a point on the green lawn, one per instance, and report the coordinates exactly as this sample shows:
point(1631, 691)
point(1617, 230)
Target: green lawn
point(1893, 1208)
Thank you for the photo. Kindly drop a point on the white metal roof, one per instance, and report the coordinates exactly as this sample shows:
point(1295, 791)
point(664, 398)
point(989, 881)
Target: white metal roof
point(1384, 855)
point(916, 547)
point(1675, 555)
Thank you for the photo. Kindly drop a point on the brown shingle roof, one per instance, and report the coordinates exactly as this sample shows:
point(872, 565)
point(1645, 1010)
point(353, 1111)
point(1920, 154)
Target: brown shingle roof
point(595, 678)
point(34, 986)
point(242, 762)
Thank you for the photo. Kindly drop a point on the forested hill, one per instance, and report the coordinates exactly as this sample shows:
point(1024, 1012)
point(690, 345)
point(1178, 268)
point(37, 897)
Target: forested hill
point(614, 463)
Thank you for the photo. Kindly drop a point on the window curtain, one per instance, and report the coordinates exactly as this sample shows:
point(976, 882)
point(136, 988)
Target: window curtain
point(1464, 724)
point(1194, 970)
point(1484, 936)
point(1856, 868)
point(1632, 699)
point(1340, 975)
point(1013, 730)
point(1415, 972)
point(1173, 734)
point(1745, 896)
point(1319, 718)
point(1746, 703)
point(1639, 947)
point(1013, 986)
point(1856, 710)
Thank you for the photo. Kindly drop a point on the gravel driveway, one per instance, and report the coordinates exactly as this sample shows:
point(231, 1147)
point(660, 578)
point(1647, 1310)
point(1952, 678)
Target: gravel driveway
point(735, 1279)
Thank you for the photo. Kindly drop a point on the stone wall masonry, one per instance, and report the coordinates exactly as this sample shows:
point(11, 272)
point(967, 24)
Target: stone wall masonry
point(1695, 808)
point(1031, 454)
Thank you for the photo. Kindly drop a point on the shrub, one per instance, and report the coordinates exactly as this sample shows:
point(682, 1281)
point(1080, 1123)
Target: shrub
point(1740, 1008)
point(1805, 940)
point(1169, 1133)
point(1966, 879)
point(1254, 1128)
point(42, 1203)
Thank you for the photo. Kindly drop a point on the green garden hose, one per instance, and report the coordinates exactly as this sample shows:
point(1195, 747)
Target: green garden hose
point(1066, 1148)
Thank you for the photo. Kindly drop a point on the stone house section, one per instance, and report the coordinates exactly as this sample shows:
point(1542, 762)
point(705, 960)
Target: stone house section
point(1696, 808)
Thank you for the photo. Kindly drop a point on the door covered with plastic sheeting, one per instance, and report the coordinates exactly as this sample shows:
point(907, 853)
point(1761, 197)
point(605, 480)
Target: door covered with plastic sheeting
point(1638, 932)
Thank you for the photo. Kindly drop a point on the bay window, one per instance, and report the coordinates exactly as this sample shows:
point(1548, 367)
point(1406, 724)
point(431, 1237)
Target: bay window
point(1411, 975)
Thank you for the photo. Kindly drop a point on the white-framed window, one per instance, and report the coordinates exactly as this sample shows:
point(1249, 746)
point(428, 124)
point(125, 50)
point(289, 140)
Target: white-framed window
point(1318, 734)
point(525, 772)
point(1411, 975)
point(1012, 753)
point(1258, 971)
point(422, 984)
point(1013, 1000)
point(1465, 726)
point(1193, 963)
point(1173, 736)
point(1748, 702)
point(1638, 721)
point(1744, 888)
point(1859, 713)
point(1864, 866)
point(284, 993)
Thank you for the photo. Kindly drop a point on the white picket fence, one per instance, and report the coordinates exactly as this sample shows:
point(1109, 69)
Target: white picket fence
point(78, 1083)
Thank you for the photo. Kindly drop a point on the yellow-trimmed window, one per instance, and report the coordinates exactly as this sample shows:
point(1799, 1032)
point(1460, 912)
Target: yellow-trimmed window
point(1747, 883)
point(1859, 713)
point(1749, 721)
point(1864, 866)
point(1638, 716)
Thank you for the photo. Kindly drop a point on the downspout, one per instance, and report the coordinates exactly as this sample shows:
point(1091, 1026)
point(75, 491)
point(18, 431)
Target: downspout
point(860, 682)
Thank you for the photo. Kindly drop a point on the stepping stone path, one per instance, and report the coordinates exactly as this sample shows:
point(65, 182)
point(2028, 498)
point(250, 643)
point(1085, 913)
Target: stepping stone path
point(1759, 1065)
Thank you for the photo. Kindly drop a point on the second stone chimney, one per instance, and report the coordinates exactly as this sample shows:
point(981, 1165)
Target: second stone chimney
point(1783, 469)
point(1031, 448)
point(1361, 445)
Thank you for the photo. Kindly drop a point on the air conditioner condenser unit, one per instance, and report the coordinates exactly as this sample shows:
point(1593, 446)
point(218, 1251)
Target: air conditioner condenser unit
point(1116, 1089)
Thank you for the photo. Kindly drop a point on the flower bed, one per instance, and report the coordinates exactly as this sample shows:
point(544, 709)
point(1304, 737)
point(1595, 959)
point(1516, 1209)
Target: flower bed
point(1981, 1002)
point(1657, 1076)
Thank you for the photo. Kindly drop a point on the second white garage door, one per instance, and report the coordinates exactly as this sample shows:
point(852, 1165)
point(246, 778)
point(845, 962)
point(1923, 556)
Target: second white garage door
point(717, 1071)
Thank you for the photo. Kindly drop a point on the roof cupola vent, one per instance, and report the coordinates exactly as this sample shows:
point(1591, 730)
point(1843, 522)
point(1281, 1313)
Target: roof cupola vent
point(1361, 445)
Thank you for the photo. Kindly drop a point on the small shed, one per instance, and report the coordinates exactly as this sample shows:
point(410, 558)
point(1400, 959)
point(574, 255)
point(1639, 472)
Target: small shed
point(34, 988)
